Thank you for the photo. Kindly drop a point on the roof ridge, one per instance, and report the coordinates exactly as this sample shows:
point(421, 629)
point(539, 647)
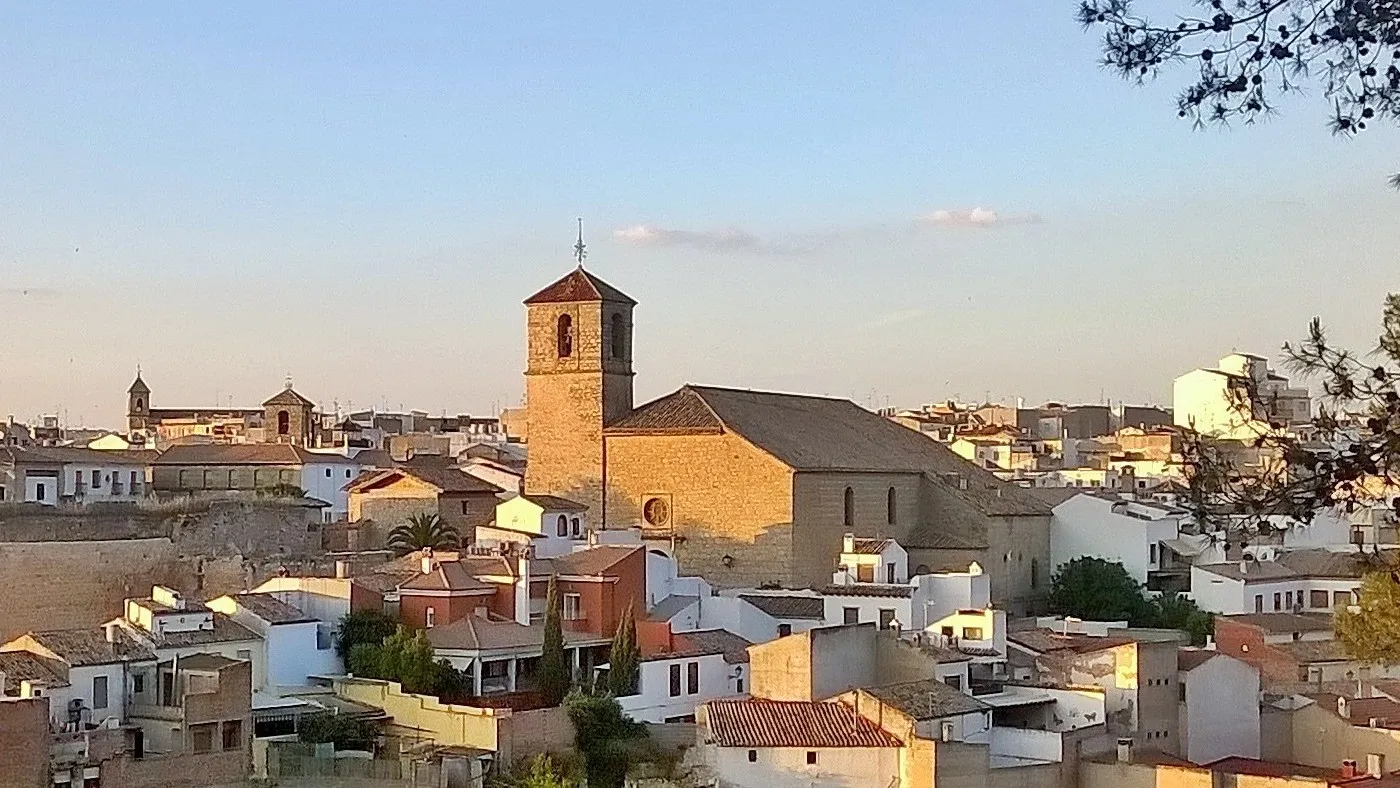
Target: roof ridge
point(771, 393)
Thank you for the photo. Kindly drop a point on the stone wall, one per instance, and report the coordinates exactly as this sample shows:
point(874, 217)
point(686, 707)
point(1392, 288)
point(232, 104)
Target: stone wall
point(726, 498)
point(24, 743)
point(89, 560)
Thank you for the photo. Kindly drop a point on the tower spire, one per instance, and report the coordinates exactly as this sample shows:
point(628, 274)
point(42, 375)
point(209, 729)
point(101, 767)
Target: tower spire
point(580, 251)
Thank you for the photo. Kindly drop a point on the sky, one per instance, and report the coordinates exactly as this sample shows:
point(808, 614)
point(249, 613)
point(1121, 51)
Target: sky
point(897, 203)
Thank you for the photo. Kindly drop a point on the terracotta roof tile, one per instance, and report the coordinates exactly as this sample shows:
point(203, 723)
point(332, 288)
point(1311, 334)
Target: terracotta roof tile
point(871, 546)
point(446, 479)
point(289, 396)
point(478, 634)
point(579, 286)
point(553, 503)
point(271, 609)
point(771, 723)
point(1188, 659)
point(18, 666)
point(225, 631)
point(592, 562)
point(706, 642)
point(780, 607)
point(80, 647)
point(869, 589)
point(927, 700)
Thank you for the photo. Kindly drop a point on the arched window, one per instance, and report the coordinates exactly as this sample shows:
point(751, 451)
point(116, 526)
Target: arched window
point(565, 336)
point(561, 527)
point(890, 506)
point(574, 528)
point(849, 518)
point(140, 404)
point(284, 423)
point(619, 337)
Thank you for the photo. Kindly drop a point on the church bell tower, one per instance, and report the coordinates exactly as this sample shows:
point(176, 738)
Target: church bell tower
point(578, 379)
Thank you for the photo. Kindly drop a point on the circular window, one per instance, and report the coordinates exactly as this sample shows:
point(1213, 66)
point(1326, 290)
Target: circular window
point(656, 512)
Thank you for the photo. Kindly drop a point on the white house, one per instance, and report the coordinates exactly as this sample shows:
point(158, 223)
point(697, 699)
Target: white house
point(555, 525)
point(872, 561)
point(496, 473)
point(324, 475)
point(90, 676)
point(1315, 580)
point(689, 604)
point(297, 645)
point(1216, 402)
point(1219, 706)
point(795, 744)
point(689, 669)
point(173, 628)
point(978, 633)
point(1103, 525)
point(910, 605)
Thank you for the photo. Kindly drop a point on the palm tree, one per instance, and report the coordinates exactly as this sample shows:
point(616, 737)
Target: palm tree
point(423, 530)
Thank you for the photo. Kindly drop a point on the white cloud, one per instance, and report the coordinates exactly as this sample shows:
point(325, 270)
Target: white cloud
point(977, 217)
point(727, 240)
point(891, 319)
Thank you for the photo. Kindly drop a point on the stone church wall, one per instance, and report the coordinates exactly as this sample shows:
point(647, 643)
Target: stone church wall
point(725, 496)
point(821, 509)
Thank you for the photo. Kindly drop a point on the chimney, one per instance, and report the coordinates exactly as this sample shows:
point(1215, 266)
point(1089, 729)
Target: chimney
point(1348, 769)
point(1375, 765)
point(522, 588)
point(1342, 708)
point(1244, 567)
point(342, 569)
point(109, 629)
point(848, 543)
point(426, 562)
point(1125, 750)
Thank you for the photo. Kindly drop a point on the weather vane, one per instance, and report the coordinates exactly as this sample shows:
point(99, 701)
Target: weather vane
point(580, 251)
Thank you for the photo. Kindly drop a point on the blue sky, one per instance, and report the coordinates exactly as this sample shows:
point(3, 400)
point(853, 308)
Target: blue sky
point(361, 196)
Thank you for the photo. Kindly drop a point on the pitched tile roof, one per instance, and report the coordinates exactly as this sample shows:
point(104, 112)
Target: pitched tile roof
point(18, 666)
point(706, 642)
point(445, 479)
point(552, 503)
point(772, 723)
point(591, 562)
point(1316, 562)
point(478, 634)
point(869, 589)
point(289, 396)
point(1043, 641)
point(1308, 651)
point(1275, 623)
point(271, 609)
point(230, 454)
point(225, 631)
point(76, 454)
point(667, 608)
point(446, 576)
point(204, 661)
point(810, 433)
point(579, 286)
point(1188, 659)
point(871, 546)
point(79, 647)
point(777, 606)
point(927, 700)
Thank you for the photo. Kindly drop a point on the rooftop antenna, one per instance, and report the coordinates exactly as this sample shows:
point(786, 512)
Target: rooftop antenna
point(580, 250)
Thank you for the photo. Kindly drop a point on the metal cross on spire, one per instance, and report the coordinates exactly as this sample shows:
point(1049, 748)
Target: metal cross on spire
point(580, 251)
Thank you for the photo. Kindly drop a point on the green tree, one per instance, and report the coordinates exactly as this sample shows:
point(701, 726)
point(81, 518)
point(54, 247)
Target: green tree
point(1241, 55)
point(407, 657)
point(554, 673)
point(1096, 590)
point(624, 661)
point(1370, 632)
point(543, 773)
point(363, 626)
point(1176, 611)
point(423, 530)
point(607, 738)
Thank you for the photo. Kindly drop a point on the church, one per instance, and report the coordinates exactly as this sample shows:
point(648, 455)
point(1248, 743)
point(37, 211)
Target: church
point(286, 417)
point(749, 487)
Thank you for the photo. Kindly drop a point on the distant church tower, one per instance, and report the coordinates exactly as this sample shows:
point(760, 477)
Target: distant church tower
point(578, 379)
point(138, 405)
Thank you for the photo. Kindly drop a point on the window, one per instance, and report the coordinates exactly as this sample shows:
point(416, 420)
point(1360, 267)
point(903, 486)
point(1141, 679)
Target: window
point(233, 734)
point(1259, 603)
point(753, 756)
point(347, 473)
point(430, 618)
point(865, 573)
point(784, 630)
point(886, 617)
point(889, 573)
point(850, 615)
point(284, 423)
point(575, 528)
point(972, 633)
point(954, 681)
point(202, 737)
point(676, 680)
point(40, 492)
point(1339, 598)
point(739, 685)
point(1289, 600)
point(1278, 601)
point(1152, 553)
point(466, 509)
point(328, 473)
point(692, 678)
point(1035, 573)
point(849, 516)
point(572, 607)
point(890, 506)
point(167, 689)
point(619, 336)
point(244, 654)
point(138, 683)
point(99, 692)
point(96, 479)
point(946, 632)
point(1182, 693)
point(564, 336)
point(561, 526)
point(811, 757)
point(140, 404)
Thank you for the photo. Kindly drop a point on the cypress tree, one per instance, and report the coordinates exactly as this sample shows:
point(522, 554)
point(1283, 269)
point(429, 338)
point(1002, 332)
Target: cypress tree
point(554, 675)
point(625, 659)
